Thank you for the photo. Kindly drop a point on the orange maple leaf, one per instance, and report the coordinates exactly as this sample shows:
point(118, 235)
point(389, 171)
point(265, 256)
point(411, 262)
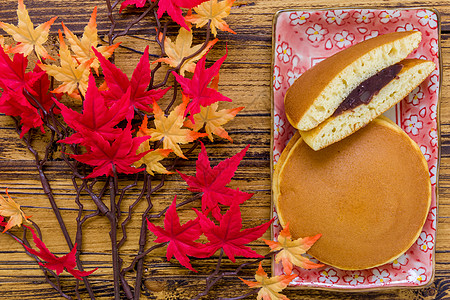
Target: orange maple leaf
point(151, 159)
point(83, 48)
point(28, 37)
point(74, 76)
point(291, 250)
point(169, 128)
point(213, 120)
point(181, 48)
point(269, 287)
point(211, 11)
point(9, 208)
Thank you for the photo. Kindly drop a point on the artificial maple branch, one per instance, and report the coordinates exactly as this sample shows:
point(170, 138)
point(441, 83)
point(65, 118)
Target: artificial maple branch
point(48, 191)
point(60, 131)
point(57, 287)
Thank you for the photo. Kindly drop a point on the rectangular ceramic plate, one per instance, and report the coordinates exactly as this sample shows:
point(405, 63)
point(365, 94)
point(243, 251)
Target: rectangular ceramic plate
point(302, 38)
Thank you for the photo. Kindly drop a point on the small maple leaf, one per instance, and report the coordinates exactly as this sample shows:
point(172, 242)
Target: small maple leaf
point(228, 235)
point(269, 287)
point(212, 182)
point(58, 264)
point(137, 3)
point(83, 48)
point(14, 103)
point(197, 88)
point(211, 11)
point(40, 88)
point(96, 115)
point(173, 9)
point(72, 74)
point(213, 120)
point(181, 48)
point(291, 250)
point(151, 159)
point(28, 37)
point(106, 156)
point(118, 84)
point(9, 208)
point(180, 237)
point(13, 74)
point(169, 129)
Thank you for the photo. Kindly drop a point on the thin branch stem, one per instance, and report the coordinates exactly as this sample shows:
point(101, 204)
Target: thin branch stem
point(113, 237)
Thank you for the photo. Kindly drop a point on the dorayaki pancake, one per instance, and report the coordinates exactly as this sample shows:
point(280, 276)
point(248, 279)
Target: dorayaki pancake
point(368, 195)
point(341, 125)
point(316, 94)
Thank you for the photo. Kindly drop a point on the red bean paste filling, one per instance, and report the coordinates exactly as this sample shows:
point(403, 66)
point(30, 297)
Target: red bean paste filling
point(364, 92)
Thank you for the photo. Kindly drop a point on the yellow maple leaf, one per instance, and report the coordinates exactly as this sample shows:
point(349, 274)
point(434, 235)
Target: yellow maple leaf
point(28, 37)
point(291, 250)
point(180, 49)
point(211, 11)
point(83, 48)
point(169, 128)
point(213, 120)
point(153, 158)
point(9, 208)
point(269, 287)
point(74, 76)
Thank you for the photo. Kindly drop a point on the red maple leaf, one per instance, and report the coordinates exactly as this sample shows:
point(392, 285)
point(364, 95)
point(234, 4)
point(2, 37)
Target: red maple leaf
point(2, 223)
point(105, 156)
point(96, 115)
point(228, 235)
point(14, 103)
point(55, 263)
point(173, 9)
point(14, 80)
point(180, 237)
point(197, 88)
point(212, 182)
point(138, 3)
point(118, 84)
point(12, 72)
point(40, 90)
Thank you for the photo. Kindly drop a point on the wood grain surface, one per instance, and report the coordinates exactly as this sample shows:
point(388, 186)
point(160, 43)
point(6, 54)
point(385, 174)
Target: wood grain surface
point(246, 78)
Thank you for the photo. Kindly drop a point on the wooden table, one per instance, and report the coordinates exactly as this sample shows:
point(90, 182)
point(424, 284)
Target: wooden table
point(246, 78)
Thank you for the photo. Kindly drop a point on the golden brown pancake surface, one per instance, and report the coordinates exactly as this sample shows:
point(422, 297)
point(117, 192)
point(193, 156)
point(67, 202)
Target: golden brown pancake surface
point(368, 195)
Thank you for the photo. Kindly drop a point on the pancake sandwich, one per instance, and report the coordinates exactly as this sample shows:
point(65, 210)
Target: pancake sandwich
point(346, 91)
point(368, 195)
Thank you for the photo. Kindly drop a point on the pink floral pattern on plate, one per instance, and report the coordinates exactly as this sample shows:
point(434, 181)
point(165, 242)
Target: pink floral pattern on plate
point(304, 38)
